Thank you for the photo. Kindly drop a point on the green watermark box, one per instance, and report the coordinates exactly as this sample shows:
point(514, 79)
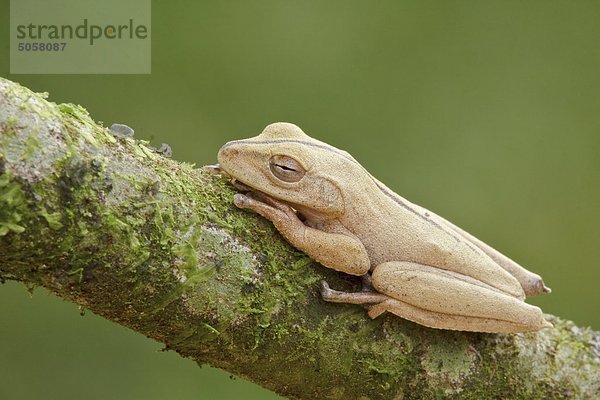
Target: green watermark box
point(80, 37)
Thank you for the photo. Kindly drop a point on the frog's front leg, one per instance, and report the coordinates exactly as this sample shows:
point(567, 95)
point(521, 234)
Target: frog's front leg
point(448, 300)
point(334, 250)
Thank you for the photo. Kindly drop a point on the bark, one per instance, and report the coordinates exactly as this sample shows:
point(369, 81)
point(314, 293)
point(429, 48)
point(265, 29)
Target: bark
point(157, 246)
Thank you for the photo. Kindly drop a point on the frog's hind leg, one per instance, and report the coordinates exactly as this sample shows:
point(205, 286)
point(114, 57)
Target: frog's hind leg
point(378, 304)
point(446, 321)
point(447, 300)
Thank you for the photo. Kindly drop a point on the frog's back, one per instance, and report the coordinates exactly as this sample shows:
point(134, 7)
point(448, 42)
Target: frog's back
point(406, 232)
point(390, 227)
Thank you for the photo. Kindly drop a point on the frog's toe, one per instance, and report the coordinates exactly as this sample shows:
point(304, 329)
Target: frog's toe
point(546, 289)
point(535, 286)
point(214, 169)
point(325, 289)
point(241, 200)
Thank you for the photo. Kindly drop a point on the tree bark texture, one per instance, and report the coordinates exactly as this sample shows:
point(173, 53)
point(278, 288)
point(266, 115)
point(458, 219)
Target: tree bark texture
point(157, 246)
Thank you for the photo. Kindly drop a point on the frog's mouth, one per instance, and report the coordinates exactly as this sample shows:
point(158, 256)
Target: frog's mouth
point(216, 169)
point(248, 191)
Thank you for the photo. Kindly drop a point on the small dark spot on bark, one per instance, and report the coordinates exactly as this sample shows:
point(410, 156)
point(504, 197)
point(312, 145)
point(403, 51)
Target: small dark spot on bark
point(107, 183)
point(164, 150)
point(248, 288)
point(88, 271)
point(72, 176)
point(263, 258)
point(153, 188)
point(121, 130)
point(96, 165)
point(354, 327)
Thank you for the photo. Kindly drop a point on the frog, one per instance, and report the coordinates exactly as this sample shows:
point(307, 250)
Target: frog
point(413, 263)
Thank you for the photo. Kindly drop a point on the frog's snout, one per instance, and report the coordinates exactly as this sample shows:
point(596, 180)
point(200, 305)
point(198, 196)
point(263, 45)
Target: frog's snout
point(226, 154)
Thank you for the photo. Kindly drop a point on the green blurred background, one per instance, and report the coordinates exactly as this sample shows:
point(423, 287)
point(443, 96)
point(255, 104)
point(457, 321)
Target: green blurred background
point(486, 112)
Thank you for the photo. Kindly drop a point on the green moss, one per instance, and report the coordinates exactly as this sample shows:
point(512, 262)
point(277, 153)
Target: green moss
point(11, 122)
point(89, 137)
point(188, 253)
point(147, 152)
point(448, 360)
point(53, 219)
point(74, 110)
point(32, 144)
point(197, 334)
point(7, 132)
point(12, 205)
point(81, 124)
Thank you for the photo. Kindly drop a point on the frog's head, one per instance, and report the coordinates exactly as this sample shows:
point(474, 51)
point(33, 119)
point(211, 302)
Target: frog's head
point(289, 165)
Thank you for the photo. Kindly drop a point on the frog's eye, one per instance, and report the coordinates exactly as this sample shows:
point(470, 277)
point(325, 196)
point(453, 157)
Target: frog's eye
point(286, 168)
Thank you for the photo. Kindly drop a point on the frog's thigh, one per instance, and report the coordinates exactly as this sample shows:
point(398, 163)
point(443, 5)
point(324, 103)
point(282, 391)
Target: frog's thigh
point(447, 300)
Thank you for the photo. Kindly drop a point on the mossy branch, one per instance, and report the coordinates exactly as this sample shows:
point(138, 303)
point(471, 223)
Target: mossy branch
point(156, 245)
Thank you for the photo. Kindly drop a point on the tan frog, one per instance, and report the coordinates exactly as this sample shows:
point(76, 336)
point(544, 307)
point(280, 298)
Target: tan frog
point(414, 263)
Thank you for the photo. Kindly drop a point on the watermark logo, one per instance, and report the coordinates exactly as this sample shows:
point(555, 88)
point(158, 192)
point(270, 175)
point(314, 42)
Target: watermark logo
point(80, 36)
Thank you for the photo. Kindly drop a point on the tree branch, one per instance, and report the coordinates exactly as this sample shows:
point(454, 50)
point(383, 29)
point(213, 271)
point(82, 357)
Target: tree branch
point(156, 245)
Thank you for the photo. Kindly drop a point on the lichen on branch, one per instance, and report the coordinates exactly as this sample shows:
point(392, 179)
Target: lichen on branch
point(156, 245)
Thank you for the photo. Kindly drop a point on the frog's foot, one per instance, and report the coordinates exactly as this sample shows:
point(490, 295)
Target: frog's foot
point(266, 206)
point(281, 215)
point(535, 286)
point(249, 201)
point(375, 302)
point(364, 297)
